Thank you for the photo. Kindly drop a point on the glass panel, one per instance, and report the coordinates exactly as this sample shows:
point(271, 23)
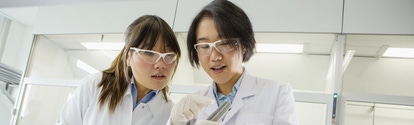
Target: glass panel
point(5, 107)
point(370, 69)
point(2, 34)
point(64, 57)
point(41, 104)
point(4, 30)
point(59, 58)
point(311, 113)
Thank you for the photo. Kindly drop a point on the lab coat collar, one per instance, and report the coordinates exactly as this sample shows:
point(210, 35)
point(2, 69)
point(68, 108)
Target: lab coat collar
point(128, 91)
point(247, 89)
point(156, 103)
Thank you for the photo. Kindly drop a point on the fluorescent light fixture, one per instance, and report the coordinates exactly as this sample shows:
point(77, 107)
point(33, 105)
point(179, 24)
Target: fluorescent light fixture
point(103, 45)
point(280, 48)
point(399, 52)
point(86, 67)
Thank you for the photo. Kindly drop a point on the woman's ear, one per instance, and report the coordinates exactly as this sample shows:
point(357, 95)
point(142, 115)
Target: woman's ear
point(128, 58)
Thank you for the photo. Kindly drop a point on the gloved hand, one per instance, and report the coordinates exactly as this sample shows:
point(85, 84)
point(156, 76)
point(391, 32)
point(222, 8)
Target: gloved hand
point(207, 122)
point(188, 108)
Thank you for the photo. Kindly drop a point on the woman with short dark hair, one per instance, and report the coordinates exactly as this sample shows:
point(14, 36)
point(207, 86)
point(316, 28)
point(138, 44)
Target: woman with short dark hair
point(221, 39)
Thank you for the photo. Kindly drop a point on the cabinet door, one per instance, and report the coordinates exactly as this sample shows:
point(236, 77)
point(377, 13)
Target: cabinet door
point(379, 16)
point(106, 17)
point(186, 11)
point(275, 15)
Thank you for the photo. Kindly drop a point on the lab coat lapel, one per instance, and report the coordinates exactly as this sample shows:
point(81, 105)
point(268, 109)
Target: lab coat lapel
point(156, 104)
point(247, 89)
point(210, 108)
point(126, 108)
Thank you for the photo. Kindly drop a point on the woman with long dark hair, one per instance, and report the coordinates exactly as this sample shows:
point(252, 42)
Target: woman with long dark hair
point(133, 90)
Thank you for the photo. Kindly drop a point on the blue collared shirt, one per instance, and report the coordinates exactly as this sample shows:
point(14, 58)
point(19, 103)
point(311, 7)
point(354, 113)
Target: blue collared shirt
point(145, 99)
point(221, 98)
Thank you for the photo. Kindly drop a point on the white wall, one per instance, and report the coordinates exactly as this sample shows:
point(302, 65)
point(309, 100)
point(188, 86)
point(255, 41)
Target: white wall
point(301, 71)
point(183, 75)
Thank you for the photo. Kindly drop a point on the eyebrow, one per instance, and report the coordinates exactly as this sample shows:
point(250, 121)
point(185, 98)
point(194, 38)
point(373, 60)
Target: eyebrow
point(202, 38)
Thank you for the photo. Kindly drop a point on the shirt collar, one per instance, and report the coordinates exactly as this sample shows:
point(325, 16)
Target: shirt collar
point(145, 99)
point(220, 98)
point(133, 83)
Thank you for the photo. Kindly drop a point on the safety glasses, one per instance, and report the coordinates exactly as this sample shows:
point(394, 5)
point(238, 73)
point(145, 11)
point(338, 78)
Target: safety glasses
point(222, 46)
point(153, 57)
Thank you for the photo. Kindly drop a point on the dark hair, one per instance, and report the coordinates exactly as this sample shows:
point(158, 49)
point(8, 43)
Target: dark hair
point(142, 33)
point(231, 22)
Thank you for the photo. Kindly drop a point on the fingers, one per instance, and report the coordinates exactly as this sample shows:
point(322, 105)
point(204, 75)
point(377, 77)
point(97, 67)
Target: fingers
point(199, 99)
point(197, 103)
point(189, 107)
point(207, 122)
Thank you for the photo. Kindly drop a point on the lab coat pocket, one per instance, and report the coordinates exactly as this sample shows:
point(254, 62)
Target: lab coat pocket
point(255, 119)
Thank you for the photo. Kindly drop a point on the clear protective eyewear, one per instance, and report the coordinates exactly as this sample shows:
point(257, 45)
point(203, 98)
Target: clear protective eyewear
point(153, 57)
point(222, 46)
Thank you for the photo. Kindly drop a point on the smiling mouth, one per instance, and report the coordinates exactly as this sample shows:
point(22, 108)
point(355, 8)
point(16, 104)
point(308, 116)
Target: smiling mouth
point(218, 68)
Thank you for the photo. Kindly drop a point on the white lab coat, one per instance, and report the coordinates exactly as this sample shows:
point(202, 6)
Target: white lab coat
point(257, 102)
point(84, 109)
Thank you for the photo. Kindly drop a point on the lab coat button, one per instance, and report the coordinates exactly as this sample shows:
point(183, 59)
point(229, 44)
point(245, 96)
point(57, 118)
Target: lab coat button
point(142, 107)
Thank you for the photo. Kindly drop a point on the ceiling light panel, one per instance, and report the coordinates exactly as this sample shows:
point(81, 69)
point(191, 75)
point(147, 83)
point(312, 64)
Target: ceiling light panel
point(103, 45)
point(399, 52)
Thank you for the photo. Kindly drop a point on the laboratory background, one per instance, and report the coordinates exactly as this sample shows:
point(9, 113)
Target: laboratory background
point(350, 62)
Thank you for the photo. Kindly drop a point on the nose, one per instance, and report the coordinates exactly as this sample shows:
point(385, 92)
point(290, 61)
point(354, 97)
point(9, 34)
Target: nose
point(215, 55)
point(160, 64)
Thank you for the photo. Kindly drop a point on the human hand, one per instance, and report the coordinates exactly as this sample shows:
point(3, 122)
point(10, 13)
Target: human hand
point(188, 108)
point(207, 122)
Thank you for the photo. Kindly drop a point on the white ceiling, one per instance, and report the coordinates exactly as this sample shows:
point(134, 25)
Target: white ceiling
point(24, 15)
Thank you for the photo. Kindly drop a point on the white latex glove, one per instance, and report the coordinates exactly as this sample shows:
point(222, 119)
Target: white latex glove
point(207, 122)
point(188, 108)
